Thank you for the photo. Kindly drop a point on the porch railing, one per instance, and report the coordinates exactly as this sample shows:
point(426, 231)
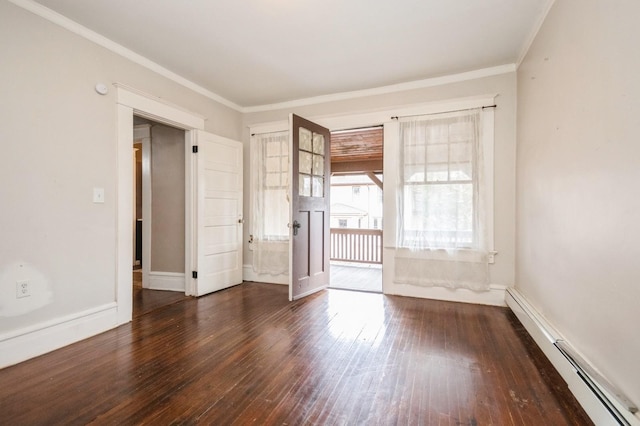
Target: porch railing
point(356, 245)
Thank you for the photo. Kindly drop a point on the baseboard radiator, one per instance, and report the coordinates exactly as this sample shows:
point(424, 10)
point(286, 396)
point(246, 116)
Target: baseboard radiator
point(602, 401)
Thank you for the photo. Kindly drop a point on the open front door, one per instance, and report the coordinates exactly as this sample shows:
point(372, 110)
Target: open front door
point(218, 213)
point(309, 214)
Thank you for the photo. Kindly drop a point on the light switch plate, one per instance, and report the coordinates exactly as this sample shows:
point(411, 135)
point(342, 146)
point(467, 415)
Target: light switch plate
point(98, 195)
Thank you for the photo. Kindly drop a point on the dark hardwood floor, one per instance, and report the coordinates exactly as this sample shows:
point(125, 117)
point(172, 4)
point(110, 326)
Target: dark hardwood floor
point(247, 356)
point(145, 300)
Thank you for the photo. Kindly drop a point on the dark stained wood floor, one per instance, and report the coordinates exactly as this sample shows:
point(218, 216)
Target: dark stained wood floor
point(247, 356)
point(145, 300)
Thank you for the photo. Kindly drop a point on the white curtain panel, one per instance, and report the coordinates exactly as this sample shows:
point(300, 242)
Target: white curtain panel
point(441, 227)
point(442, 268)
point(270, 206)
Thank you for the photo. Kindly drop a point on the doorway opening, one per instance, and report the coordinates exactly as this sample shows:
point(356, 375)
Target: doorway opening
point(357, 209)
point(158, 215)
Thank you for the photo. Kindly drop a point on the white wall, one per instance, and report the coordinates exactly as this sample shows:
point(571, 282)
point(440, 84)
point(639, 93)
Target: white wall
point(504, 85)
point(59, 142)
point(578, 170)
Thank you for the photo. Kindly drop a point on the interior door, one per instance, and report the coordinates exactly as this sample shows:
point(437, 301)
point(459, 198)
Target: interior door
point(218, 213)
point(309, 214)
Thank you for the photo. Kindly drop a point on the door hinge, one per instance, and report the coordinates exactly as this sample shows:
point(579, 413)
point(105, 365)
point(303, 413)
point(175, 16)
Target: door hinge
point(194, 149)
point(194, 274)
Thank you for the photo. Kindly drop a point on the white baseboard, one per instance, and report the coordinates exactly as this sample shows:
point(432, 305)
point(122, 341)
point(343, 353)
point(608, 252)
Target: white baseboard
point(494, 296)
point(545, 334)
point(171, 281)
point(248, 274)
point(29, 342)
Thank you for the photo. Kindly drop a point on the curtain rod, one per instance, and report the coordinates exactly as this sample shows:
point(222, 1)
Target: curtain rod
point(357, 129)
point(354, 129)
point(269, 133)
point(395, 117)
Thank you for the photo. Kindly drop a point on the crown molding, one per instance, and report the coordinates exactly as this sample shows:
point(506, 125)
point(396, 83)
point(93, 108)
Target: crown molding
point(76, 28)
point(524, 49)
point(412, 85)
point(118, 49)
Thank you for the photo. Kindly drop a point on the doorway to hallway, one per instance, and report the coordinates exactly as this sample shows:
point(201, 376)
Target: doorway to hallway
point(158, 215)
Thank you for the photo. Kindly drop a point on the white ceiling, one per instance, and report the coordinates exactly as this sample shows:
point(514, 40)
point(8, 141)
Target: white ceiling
point(258, 52)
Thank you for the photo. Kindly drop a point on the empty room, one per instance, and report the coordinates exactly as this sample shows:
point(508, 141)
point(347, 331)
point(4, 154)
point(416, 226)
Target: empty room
point(319, 212)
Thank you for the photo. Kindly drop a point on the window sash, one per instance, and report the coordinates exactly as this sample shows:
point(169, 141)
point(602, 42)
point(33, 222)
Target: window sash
point(439, 186)
point(271, 187)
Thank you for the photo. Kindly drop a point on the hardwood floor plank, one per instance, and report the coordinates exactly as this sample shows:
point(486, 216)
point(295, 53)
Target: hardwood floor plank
point(247, 355)
point(146, 300)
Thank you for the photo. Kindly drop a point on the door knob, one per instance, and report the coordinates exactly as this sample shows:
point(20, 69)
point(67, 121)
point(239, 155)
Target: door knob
point(296, 226)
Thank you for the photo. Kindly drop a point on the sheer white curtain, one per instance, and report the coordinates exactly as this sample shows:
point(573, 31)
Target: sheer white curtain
point(270, 214)
point(441, 227)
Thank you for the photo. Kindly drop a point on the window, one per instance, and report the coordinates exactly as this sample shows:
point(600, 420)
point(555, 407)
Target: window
point(273, 196)
point(439, 171)
point(269, 205)
point(342, 223)
point(311, 164)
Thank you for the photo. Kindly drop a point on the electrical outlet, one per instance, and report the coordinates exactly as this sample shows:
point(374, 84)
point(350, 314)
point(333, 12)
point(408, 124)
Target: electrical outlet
point(23, 289)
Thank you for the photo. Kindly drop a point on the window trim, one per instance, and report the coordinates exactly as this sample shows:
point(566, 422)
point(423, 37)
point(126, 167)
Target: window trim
point(392, 150)
point(348, 120)
point(384, 117)
point(486, 187)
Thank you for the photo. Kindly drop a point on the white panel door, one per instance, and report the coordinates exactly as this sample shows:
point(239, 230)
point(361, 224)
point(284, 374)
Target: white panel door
point(218, 193)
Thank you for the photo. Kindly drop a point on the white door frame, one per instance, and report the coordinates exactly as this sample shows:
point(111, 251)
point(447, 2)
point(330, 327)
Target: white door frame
point(130, 102)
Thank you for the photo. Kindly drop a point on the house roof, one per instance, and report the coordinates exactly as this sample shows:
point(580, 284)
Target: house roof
point(344, 210)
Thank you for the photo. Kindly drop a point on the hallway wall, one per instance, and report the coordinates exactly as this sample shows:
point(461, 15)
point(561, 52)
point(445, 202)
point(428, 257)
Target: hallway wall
point(167, 198)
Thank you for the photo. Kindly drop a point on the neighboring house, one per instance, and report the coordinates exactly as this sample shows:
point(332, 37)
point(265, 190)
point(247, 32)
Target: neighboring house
point(357, 206)
point(345, 216)
point(566, 167)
